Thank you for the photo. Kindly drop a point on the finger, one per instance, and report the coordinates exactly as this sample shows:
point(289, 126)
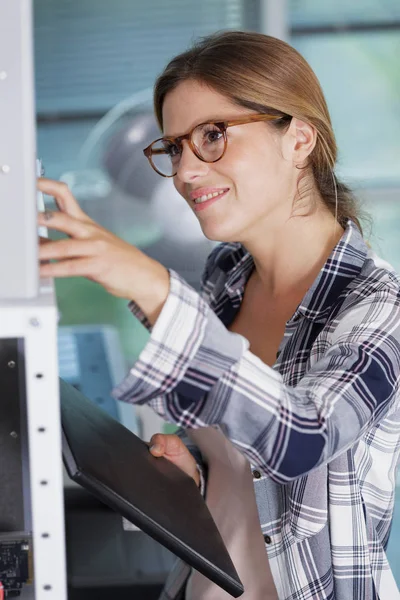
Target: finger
point(169, 444)
point(74, 267)
point(65, 200)
point(69, 248)
point(157, 445)
point(65, 223)
point(172, 448)
point(173, 445)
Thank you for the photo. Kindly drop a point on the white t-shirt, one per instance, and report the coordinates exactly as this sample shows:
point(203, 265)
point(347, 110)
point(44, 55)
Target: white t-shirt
point(231, 501)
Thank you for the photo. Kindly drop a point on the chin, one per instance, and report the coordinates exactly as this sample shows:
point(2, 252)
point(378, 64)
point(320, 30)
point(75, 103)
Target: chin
point(220, 234)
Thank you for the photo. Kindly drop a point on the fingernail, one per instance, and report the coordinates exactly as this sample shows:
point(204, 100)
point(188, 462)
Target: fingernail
point(156, 447)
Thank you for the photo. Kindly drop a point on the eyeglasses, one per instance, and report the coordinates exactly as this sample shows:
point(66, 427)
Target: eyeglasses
point(208, 141)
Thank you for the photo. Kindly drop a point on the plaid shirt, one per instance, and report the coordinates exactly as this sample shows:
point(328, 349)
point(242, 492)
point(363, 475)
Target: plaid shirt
point(322, 425)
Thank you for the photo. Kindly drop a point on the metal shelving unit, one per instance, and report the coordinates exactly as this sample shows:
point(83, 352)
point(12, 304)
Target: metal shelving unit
point(31, 499)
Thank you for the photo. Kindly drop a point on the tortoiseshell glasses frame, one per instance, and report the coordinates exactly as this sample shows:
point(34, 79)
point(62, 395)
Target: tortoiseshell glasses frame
point(222, 126)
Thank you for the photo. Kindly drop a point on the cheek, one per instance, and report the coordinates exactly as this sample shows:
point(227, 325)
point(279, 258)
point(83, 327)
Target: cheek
point(256, 171)
point(262, 180)
point(254, 161)
point(179, 186)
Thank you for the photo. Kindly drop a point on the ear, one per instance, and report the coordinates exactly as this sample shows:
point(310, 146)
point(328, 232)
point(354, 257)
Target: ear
point(301, 138)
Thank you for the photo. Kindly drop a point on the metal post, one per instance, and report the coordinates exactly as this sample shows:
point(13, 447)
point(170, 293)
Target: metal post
point(28, 321)
point(18, 239)
point(30, 328)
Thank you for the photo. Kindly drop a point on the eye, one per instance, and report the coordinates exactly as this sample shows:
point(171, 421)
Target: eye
point(172, 150)
point(212, 135)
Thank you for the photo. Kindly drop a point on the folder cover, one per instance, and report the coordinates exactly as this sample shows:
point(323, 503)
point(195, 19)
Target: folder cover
point(116, 466)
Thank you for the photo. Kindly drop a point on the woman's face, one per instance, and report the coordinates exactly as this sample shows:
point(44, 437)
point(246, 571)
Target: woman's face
point(256, 176)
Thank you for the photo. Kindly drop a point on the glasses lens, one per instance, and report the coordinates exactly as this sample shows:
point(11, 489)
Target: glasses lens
point(209, 140)
point(165, 156)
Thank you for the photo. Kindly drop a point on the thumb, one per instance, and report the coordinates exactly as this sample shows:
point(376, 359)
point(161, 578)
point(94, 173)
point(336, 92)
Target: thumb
point(168, 445)
point(172, 448)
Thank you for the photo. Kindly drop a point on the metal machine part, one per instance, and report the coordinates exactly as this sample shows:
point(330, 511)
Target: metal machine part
point(15, 563)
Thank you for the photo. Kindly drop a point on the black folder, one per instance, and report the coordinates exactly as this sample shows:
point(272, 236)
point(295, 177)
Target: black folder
point(116, 466)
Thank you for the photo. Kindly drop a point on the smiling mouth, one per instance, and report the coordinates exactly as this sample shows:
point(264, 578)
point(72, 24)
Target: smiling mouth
point(207, 197)
point(203, 202)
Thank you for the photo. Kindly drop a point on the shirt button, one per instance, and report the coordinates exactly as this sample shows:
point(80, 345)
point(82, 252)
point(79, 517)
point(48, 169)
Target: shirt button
point(267, 539)
point(256, 474)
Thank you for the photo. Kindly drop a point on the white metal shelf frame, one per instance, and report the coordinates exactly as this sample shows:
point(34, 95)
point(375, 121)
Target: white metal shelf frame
point(19, 264)
point(28, 310)
point(35, 322)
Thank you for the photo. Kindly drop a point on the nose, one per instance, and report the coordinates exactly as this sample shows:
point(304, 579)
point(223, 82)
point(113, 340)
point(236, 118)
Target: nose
point(190, 166)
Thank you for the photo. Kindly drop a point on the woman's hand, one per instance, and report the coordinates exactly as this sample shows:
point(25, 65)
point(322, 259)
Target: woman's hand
point(171, 447)
point(94, 252)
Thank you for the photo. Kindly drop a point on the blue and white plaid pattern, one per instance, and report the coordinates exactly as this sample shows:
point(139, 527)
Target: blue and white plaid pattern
point(322, 425)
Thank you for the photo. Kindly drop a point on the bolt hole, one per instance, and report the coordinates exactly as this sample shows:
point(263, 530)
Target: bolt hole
point(45, 535)
point(41, 429)
point(47, 587)
point(44, 482)
point(39, 375)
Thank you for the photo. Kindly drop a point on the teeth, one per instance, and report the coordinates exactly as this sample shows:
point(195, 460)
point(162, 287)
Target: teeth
point(208, 197)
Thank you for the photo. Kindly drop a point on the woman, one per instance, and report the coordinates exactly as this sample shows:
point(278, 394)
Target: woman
point(289, 360)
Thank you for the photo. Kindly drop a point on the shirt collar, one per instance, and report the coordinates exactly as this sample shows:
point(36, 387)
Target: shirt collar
point(238, 266)
point(343, 265)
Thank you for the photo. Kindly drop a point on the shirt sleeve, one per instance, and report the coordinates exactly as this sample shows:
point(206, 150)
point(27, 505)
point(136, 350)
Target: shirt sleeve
point(195, 372)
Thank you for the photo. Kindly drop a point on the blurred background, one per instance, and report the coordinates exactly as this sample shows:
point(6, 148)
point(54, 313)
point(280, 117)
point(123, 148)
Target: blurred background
point(96, 62)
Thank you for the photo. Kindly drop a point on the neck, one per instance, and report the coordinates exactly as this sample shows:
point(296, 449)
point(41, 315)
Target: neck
point(289, 257)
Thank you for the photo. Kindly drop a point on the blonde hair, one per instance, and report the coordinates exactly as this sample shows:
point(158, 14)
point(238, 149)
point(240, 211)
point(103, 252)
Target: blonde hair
point(265, 74)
